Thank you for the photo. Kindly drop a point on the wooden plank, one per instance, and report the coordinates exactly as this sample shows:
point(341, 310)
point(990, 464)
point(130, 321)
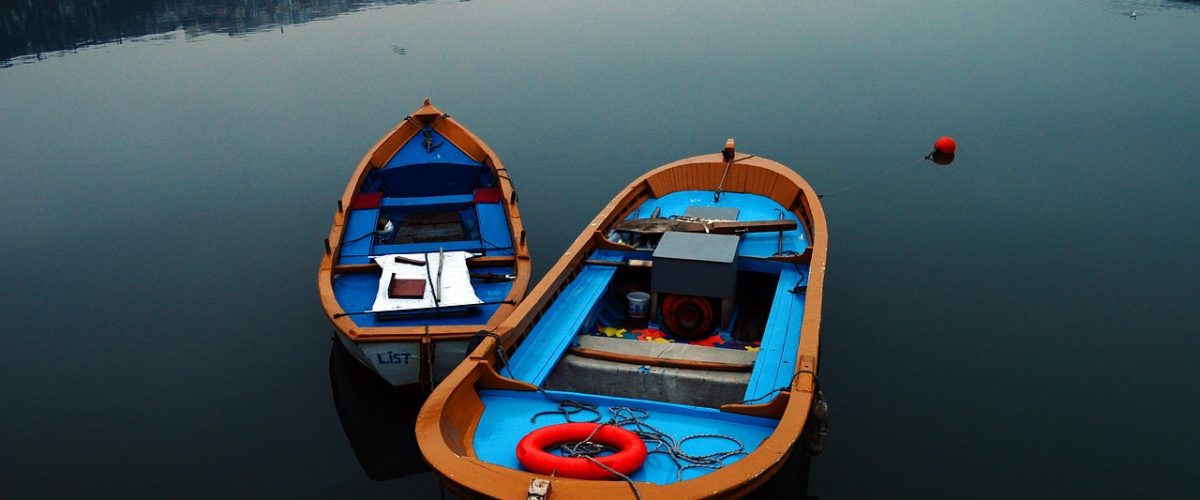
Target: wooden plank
point(713, 175)
point(686, 364)
point(777, 356)
point(769, 184)
point(737, 178)
point(547, 341)
point(659, 226)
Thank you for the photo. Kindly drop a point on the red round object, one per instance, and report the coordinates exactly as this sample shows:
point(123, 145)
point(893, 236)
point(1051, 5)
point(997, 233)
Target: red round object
point(688, 316)
point(945, 145)
point(532, 454)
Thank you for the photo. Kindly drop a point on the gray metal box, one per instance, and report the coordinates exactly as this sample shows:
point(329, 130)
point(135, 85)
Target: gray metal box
point(712, 213)
point(695, 264)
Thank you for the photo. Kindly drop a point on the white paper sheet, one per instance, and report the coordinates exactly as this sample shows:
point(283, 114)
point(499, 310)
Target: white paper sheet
point(456, 289)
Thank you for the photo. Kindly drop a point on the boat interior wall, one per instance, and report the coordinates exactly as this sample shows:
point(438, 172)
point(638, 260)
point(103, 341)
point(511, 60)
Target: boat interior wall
point(751, 208)
point(687, 386)
point(742, 178)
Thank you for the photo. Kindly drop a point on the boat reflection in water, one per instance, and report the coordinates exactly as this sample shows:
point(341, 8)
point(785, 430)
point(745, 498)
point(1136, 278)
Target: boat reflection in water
point(378, 418)
point(31, 31)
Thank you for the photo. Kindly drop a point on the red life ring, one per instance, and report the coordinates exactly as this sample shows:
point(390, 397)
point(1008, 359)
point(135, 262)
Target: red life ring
point(531, 451)
point(688, 316)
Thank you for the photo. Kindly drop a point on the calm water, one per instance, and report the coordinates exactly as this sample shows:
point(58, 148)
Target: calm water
point(1019, 323)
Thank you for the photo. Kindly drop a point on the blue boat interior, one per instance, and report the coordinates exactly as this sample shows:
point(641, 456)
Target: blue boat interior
point(506, 419)
point(763, 326)
point(429, 197)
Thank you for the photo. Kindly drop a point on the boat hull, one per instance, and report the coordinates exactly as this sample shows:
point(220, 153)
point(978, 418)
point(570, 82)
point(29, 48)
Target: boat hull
point(430, 193)
point(458, 429)
point(400, 363)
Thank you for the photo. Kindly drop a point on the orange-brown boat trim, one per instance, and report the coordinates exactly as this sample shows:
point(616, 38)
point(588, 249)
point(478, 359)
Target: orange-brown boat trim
point(446, 423)
point(378, 156)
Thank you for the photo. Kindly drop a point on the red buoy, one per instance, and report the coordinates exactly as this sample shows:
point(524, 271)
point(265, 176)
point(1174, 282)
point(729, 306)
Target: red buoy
point(945, 145)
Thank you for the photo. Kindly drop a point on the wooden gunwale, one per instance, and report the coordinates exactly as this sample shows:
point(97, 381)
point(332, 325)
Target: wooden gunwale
point(471, 477)
point(378, 156)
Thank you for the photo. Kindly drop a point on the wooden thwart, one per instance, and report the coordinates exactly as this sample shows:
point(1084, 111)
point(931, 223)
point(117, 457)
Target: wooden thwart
point(659, 226)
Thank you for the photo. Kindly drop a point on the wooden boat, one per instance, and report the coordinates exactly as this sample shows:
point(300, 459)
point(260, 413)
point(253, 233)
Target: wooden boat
point(718, 382)
point(426, 249)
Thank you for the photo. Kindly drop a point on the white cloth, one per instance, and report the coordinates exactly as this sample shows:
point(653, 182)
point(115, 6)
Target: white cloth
point(456, 289)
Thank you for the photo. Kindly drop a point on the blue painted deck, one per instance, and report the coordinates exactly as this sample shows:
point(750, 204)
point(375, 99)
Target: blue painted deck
point(506, 415)
point(413, 152)
point(751, 206)
point(776, 362)
point(574, 308)
point(493, 229)
point(446, 170)
point(357, 240)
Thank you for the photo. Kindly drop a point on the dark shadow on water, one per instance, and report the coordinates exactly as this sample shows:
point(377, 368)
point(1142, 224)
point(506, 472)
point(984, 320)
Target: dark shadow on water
point(378, 419)
point(31, 31)
point(791, 482)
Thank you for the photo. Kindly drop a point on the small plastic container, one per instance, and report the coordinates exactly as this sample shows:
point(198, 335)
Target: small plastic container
point(638, 314)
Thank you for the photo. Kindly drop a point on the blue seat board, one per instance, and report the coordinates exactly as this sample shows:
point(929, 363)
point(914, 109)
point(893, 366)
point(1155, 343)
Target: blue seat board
point(750, 206)
point(356, 242)
point(432, 246)
point(776, 362)
point(506, 415)
point(571, 310)
point(429, 203)
point(355, 292)
point(493, 226)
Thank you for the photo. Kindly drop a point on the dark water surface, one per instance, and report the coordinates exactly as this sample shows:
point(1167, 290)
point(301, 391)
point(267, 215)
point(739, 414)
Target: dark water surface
point(1019, 323)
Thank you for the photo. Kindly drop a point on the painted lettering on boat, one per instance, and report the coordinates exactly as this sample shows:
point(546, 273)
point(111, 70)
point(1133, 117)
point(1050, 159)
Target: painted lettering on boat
point(389, 358)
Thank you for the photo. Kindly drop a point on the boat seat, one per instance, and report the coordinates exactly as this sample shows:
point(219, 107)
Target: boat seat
point(493, 228)
point(431, 246)
point(776, 363)
point(576, 306)
point(429, 203)
point(356, 244)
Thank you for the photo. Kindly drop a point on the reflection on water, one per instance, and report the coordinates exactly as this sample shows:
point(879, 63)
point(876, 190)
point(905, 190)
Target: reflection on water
point(378, 418)
point(30, 31)
point(1138, 8)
